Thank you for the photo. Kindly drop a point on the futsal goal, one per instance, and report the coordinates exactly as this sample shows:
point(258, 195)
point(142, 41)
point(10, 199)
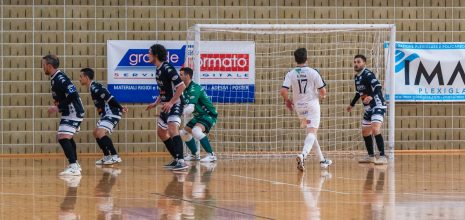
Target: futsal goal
point(252, 116)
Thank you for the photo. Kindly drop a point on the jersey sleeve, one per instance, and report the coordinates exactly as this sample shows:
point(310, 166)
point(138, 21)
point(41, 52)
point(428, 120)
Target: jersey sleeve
point(373, 81)
point(319, 82)
point(67, 86)
point(287, 81)
point(102, 93)
point(174, 76)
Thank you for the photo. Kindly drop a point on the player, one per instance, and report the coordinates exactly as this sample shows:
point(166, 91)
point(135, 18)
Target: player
point(110, 112)
point(170, 87)
point(369, 89)
point(307, 87)
point(69, 104)
point(199, 104)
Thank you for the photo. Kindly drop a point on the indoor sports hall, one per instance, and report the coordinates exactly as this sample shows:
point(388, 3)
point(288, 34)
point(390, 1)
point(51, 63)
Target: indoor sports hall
point(241, 53)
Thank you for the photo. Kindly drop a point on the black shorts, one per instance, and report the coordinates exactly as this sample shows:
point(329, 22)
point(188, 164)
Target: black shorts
point(174, 115)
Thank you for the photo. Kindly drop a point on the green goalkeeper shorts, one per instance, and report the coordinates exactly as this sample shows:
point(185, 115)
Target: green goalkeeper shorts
point(206, 120)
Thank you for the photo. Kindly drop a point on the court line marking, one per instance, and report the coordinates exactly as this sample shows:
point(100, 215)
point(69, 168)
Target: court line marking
point(439, 196)
point(289, 184)
point(211, 206)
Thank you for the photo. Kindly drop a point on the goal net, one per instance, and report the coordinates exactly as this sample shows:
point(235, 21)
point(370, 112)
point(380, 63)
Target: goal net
point(242, 68)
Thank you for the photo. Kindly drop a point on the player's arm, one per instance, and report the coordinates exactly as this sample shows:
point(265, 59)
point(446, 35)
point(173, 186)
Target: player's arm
point(354, 101)
point(284, 91)
point(71, 94)
point(111, 100)
point(180, 87)
point(321, 85)
point(153, 104)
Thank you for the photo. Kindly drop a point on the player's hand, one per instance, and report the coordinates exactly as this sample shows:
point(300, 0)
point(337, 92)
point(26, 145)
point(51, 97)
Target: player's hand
point(52, 109)
point(125, 109)
point(151, 105)
point(289, 105)
point(167, 107)
point(367, 100)
point(349, 108)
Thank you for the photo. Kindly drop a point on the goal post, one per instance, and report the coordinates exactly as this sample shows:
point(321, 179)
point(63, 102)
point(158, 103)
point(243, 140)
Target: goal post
point(263, 125)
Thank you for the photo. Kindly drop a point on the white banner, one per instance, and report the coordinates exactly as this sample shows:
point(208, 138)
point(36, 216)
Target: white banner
point(429, 72)
point(227, 69)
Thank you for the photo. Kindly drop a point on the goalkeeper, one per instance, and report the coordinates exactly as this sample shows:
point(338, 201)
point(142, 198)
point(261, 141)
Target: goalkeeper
point(201, 107)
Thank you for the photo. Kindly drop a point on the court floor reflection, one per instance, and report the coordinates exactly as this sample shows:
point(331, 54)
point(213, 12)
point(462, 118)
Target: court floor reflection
point(419, 186)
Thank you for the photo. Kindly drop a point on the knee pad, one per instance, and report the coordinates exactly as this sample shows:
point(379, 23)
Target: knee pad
point(185, 135)
point(197, 133)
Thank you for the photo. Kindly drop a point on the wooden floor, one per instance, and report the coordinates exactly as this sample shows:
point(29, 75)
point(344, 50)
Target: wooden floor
point(415, 187)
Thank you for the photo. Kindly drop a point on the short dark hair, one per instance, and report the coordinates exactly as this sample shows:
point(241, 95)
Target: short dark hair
point(300, 55)
point(159, 51)
point(187, 71)
point(88, 72)
point(52, 60)
point(361, 56)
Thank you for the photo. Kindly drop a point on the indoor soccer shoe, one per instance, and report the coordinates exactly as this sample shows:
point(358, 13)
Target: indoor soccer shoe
point(381, 160)
point(71, 170)
point(103, 160)
point(209, 158)
point(367, 159)
point(180, 165)
point(325, 163)
point(113, 160)
point(300, 162)
point(171, 164)
point(192, 157)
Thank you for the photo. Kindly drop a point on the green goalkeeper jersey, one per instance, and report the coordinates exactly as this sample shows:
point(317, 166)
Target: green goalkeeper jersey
point(194, 94)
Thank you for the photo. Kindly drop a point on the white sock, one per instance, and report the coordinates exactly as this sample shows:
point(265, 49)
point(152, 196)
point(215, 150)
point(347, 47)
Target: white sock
point(318, 152)
point(308, 143)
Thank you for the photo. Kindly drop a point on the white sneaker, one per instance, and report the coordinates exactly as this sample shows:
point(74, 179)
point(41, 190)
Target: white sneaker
point(209, 158)
point(191, 157)
point(103, 160)
point(113, 159)
point(71, 170)
point(325, 163)
point(71, 181)
point(367, 159)
point(300, 162)
point(79, 165)
point(381, 160)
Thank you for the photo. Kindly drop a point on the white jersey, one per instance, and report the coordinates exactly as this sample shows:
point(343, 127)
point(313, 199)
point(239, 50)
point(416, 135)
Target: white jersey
point(305, 83)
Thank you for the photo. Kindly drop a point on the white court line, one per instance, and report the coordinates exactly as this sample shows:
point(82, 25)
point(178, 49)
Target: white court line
point(288, 184)
point(437, 196)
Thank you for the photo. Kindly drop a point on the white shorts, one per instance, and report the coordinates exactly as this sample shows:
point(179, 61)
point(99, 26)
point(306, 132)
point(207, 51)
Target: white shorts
point(309, 114)
point(108, 123)
point(68, 126)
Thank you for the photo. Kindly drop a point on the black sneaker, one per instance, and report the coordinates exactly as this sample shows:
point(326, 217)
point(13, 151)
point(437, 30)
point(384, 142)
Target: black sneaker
point(171, 164)
point(181, 165)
